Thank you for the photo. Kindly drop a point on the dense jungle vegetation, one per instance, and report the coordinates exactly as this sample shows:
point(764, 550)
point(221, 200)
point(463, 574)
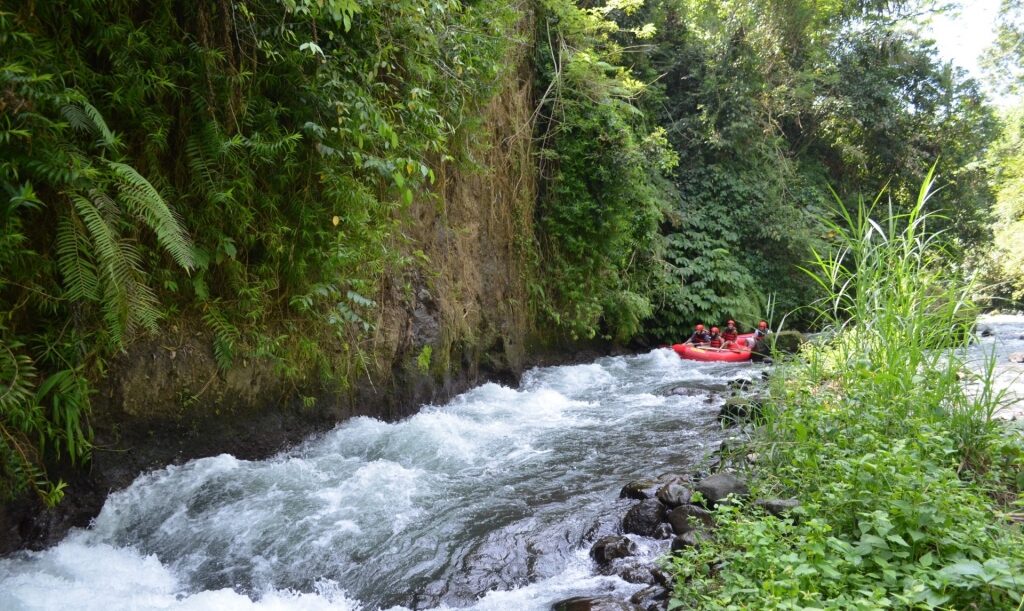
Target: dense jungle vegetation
point(248, 166)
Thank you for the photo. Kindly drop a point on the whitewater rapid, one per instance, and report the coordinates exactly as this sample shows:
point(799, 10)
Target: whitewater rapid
point(488, 502)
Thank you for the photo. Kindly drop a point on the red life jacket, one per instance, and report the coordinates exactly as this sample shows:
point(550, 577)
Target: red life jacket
point(729, 336)
point(716, 341)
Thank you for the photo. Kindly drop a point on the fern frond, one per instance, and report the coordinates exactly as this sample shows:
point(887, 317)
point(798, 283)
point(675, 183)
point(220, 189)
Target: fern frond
point(17, 377)
point(87, 119)
point(125, 299)
point(225, 337)
point(107, 137)
point(80, 279)
point(143, 200)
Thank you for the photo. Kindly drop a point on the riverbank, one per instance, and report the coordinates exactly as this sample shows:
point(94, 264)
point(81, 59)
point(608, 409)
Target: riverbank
point(909, 488)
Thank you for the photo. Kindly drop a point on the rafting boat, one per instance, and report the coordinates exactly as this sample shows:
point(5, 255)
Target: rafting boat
point(724, 355)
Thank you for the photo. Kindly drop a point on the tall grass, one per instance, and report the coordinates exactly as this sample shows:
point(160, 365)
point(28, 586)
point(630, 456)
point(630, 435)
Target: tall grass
point(901, 471)
point(902, 316)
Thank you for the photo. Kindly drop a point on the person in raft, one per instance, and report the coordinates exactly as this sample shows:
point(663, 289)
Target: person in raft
point(760, 334)
point(730, 334)
point(716, 338)
point(700, 336)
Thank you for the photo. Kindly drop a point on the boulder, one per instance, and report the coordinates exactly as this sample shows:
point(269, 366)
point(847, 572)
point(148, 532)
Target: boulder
point(985, 332)
point(637, 573)
point(787, 342)
point(593, 603)
point(663, 531)
point(686, 518)
point(641, 489)
point(611, 547)
point(1017, 357)
point(740, 384)
point(778, 507)
point(654, 597)
point(674, 494)
point(740, 409)
point(685, 540)
point(716, 488)
point(643, 518)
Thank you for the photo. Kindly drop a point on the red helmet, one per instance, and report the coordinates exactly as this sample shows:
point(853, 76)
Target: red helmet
point(700, 327)
point(762, 325)
point(732, 323)
point(714, 329)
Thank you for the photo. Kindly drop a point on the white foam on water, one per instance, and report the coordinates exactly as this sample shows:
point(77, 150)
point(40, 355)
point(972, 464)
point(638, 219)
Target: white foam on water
point(81, 575)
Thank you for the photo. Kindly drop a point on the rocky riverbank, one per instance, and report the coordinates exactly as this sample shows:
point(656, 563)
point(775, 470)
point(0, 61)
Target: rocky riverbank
point(676, 510)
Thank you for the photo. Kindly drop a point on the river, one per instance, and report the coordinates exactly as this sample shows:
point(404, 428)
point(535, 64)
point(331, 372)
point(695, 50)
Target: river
point(488, 502)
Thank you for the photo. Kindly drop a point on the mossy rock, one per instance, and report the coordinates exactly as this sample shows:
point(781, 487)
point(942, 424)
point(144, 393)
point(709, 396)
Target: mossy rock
point(787, 342)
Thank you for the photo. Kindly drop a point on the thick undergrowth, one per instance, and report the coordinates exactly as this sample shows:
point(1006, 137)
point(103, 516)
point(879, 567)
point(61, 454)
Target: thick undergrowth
point(908, 487)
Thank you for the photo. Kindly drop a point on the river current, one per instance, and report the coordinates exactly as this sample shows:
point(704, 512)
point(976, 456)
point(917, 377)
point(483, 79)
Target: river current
point(488, 502)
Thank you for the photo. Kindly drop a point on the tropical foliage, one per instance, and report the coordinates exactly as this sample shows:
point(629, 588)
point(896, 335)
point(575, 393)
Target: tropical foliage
point(242, 163)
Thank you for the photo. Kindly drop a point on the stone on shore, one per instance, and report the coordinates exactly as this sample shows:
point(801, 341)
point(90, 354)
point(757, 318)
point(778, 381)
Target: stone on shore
point(719, 486)
point(654, 597)
point(687, 518)
point(778, 507)
point(685, 540)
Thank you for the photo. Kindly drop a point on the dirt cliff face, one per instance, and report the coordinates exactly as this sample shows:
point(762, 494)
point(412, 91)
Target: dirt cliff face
point(453, 321)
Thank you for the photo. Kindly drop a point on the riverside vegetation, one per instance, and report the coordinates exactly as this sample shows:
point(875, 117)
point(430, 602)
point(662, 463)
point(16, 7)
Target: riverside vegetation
point(909, 491)
point(252, 169)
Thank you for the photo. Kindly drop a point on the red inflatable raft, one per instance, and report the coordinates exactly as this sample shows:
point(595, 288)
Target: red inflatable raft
point(724, 355)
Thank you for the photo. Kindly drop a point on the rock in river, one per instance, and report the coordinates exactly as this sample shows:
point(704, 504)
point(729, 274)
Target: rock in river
point(1017, 357)
point(593, 603)
point(643, 519)
point(674, 494)
point(611, 547)
point(641, 489)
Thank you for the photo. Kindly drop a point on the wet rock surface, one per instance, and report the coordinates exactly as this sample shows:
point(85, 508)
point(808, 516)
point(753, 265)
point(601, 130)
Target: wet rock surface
point(644, 518)
point(649, 599)
point(640, 489)
point(595, 603)
point(674, 494)
point(612, 547)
